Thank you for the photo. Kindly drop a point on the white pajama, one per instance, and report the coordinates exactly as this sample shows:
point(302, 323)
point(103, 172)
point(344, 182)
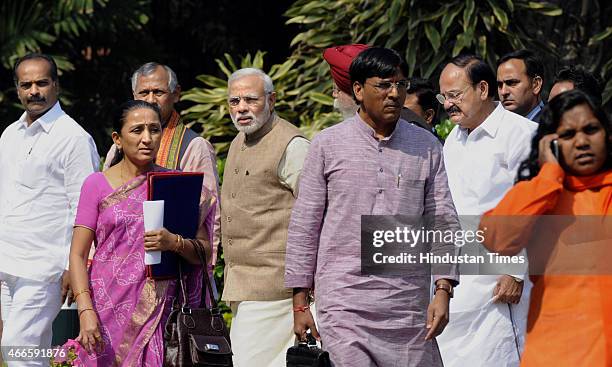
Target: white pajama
point(261, 332)
point(28, 310)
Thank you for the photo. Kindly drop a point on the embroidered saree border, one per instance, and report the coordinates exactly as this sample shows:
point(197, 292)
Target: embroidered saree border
point(151, 300)
point(121, 193)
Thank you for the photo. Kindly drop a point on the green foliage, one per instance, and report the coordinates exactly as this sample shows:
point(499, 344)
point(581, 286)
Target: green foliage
point(444, 128)
point(27, 26)
point(426, 34)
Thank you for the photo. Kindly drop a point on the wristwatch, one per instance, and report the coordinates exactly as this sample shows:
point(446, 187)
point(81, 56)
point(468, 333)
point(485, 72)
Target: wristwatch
point(445, 287)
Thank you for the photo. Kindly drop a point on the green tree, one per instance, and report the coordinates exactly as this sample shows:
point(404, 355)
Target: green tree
point(431, 32)
point(75, 33)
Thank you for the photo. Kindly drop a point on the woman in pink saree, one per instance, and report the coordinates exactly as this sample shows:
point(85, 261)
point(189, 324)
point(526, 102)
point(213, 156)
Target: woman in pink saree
point(122, 313)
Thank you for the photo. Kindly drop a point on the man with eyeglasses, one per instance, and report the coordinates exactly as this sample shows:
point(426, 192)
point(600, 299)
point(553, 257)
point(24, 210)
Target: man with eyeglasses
point(482, 154)
point(260, 184)
point(181, 148)
point(519, 83)
point(373, 163)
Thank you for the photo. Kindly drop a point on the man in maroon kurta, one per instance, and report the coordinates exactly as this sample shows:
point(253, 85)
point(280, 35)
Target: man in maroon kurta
point(370, 164)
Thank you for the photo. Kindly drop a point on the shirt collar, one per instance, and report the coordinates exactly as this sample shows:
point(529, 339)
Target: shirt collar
point(533, 113)
point(45, 121)
point(489, 125)
point(368, 130)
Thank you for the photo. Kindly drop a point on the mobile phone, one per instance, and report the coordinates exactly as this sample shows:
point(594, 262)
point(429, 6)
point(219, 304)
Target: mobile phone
point(554, 146)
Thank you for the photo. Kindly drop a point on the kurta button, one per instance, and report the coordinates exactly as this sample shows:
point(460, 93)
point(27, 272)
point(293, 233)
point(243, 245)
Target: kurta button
point(380, 191)
point(229, 219)
point(229, 242)
point(236, 170)
point(380, 169)
point(233, 195)
point(380, 150)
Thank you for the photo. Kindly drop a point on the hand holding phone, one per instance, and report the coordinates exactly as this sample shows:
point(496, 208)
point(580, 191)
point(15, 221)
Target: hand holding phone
point(554, 146)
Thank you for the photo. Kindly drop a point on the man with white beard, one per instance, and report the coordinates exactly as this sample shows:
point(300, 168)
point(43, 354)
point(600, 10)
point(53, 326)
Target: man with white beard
point(259, 188)
point(339, 59)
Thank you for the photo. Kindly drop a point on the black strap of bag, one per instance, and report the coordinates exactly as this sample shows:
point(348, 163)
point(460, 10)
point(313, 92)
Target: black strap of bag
point(196, 336)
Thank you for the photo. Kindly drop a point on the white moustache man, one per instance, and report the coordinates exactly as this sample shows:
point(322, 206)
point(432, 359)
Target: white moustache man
point(259, 188)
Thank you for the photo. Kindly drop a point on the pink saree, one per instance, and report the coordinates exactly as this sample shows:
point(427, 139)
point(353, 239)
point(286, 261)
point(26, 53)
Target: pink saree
point(132, 308)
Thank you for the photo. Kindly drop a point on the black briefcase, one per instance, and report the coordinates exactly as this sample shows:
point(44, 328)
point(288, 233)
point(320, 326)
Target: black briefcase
point(307, 354)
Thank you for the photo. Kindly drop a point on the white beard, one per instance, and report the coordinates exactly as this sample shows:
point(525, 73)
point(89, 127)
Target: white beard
point(256, 123)
point(346, 110)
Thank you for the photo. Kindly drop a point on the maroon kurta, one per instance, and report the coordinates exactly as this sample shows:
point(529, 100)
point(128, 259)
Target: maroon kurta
point(365, 320)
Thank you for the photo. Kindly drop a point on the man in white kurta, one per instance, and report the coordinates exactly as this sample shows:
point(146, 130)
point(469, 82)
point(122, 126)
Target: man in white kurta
point(482, 154)
point(44, 158)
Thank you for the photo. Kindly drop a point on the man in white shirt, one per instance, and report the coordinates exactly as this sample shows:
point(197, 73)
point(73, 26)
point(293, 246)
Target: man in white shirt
point(481, 155)
point(44, 158)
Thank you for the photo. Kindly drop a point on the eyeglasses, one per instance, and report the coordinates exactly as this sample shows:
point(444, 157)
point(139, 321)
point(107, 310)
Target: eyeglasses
point(251, 100)
point(452, 97)
point(385, 86)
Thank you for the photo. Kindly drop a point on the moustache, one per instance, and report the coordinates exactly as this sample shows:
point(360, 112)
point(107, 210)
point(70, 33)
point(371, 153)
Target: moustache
point(246, 116)
point(37, 99)
point(453, 109)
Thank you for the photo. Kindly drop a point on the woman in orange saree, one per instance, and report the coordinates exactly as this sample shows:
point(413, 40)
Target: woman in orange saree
point(570, 315)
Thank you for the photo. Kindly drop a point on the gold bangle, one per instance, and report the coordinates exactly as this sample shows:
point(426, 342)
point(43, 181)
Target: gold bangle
point(80, 292)
point(179, 240)
point(85, 309)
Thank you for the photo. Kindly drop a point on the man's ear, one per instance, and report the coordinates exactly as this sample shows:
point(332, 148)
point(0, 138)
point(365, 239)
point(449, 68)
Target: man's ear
point(358, 92)
point(429, 115)
point(537, 85)
point(483, 90)
point(272, 100)
point(176, 95)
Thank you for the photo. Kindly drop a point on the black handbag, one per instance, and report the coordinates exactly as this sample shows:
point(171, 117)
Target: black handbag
point(307, 354)
point(196, 336)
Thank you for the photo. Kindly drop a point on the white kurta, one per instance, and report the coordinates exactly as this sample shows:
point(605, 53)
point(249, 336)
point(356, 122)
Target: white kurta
point(481, 168)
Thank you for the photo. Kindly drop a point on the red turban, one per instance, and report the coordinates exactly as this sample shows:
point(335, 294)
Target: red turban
point(339, 59)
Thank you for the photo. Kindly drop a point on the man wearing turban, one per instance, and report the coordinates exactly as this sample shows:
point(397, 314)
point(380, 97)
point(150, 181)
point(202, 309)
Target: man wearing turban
point(339, 59)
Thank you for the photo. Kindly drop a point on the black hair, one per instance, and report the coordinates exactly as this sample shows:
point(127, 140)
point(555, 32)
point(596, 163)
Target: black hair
point(582, 80)
point(376, 62)
point(426, 95)
point(477, 70)
point(549, 122)
point(34, 56)
point(119, 120)
point(533, 64)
